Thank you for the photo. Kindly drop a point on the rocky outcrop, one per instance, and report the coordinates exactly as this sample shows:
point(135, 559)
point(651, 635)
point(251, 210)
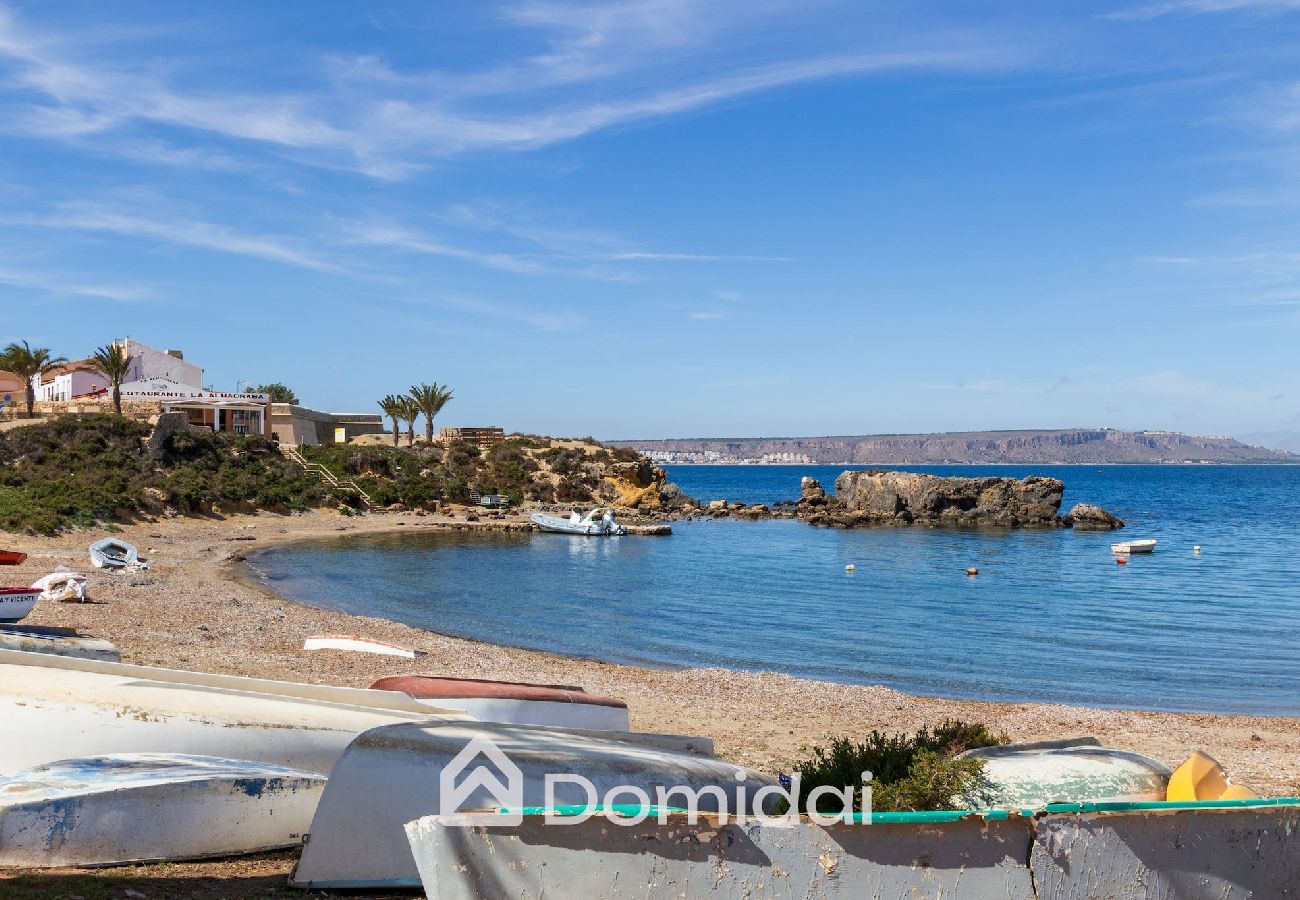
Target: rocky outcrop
point(1086, 517)
point(878, 497)
point(169, 425)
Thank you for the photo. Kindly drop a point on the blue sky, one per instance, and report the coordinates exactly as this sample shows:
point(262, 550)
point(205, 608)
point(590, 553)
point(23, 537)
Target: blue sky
point(673, 217)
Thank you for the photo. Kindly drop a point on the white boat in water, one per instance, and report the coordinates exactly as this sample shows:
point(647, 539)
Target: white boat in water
point(515, 703)
point(600, 521)
point(1127, 547)
point(392, 775)
point(110, 553)
point(142, 807)
point(17, 602)
point(64, 707)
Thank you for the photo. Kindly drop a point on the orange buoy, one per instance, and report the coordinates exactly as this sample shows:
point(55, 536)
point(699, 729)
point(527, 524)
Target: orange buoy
point(972, 571)
point(1121, 561)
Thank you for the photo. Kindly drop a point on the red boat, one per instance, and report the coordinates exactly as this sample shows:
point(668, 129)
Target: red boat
point(12, 558)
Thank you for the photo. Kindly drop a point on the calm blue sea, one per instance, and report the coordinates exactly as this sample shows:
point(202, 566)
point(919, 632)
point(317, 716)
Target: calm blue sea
point(1050, 617)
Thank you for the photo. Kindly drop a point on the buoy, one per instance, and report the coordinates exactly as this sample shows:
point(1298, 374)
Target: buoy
point(850, 568)
point(972, 571)
point(1196, 549)
point(1121, 561)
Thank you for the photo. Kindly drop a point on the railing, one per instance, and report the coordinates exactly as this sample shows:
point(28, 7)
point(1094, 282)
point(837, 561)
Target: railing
point(291, 453)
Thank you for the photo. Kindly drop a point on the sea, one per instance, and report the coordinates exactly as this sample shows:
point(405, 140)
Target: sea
point(1050, 617)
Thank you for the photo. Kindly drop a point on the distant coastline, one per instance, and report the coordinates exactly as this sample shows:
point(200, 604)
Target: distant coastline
point(1077, 446)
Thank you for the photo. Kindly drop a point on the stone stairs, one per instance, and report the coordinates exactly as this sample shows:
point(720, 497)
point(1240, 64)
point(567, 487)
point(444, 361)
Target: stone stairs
point(291, 453)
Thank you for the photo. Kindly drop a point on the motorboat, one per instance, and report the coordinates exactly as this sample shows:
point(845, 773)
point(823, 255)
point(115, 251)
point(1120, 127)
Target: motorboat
point(600, 521)
point(1128, 547)
point(12, 558)
point(1238, 849)
point(110, 553)
point(394, 774)
point(65, 707)
point(17, 602)
point(1068, 771)
point(516, 703)
point(57, 642)
point(143, 807)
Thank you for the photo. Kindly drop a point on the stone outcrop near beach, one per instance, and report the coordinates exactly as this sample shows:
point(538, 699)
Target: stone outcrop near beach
point(877, 497)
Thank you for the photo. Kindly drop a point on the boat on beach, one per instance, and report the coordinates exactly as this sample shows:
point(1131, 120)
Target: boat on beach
point(12, 558)
point(515, 703)
point(144, 807)
point(17, 602)
point(56, 642)
point(354, 644)
point(110, 553)
point(1066, 771)
point(600, 521)
point(1128, 547)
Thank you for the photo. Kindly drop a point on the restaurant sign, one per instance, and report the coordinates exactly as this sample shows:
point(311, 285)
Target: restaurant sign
point(168, 391)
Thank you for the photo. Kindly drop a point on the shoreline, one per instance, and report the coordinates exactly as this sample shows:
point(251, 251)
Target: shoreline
point(201, 607)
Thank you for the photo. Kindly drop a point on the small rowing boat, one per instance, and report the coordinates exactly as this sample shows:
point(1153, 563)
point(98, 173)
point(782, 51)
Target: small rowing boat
point(514, 703)
point(56, 642)
point(12, 558)
point(354, 644)
point(111, 553)
point(1127, 547)
point(600, 521)
point(17, 602)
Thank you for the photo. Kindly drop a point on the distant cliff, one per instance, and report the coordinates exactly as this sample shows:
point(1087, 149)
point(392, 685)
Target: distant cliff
point(1078, 445)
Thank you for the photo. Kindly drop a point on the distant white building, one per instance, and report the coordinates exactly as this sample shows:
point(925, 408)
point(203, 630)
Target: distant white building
point(148, 362)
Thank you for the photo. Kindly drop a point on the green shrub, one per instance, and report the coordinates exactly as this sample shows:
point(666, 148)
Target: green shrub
point(917, 772)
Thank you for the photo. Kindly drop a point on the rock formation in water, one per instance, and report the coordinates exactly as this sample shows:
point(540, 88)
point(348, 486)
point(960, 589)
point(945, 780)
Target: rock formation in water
point(877, 497)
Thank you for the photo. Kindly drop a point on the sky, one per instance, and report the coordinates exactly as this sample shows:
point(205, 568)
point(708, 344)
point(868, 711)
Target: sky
point(673, 218)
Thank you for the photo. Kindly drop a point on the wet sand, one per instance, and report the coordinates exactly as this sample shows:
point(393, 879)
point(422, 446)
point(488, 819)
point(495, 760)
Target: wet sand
point(198, 607)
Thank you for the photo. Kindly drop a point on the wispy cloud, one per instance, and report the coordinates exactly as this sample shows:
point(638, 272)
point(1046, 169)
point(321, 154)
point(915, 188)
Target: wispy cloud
point(645, 256)
point(704, 315)
point(1197, 7)
point(388, 235)
point(49, 283)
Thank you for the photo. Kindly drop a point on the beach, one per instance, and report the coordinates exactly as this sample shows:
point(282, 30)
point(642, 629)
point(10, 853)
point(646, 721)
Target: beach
point(199, 607)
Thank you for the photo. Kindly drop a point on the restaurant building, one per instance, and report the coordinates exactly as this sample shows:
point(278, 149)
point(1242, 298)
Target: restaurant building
point(245, 413)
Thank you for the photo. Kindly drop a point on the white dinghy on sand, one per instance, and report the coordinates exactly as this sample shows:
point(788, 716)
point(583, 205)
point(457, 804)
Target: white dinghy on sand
point(142, 807)
point(111, 553)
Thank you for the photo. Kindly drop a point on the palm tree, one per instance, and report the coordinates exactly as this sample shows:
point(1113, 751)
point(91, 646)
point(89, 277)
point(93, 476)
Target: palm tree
point(112, 362)
point(410, 412)
point(28, 363)
point(430, 398)
point(393, 408)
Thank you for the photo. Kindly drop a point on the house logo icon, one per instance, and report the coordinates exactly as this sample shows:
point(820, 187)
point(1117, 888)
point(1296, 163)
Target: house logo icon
point(482, 788)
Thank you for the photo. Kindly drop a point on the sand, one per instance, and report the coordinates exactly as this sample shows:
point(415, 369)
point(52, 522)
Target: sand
point(199, 608)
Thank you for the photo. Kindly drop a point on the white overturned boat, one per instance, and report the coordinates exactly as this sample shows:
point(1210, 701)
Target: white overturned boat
point(17, 602)
point(1069, 771)
point(57, 642)
point(141, 807)
point(1127, 547)
point(600, 521)
point(63, 708)
point(514, 703)
point(111, 553)
point(354, 644)
point(394, 774)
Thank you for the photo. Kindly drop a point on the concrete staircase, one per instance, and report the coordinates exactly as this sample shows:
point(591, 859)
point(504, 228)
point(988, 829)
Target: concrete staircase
point(290, 452)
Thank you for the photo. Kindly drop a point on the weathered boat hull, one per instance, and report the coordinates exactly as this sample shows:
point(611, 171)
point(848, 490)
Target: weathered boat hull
point(12, 558)
point(392, 775)
point(67, 708)
point(1145, 852)
point(110, 553)
point(126, 808)
point(56, 642)
point(515, 703)
point(1033, 775)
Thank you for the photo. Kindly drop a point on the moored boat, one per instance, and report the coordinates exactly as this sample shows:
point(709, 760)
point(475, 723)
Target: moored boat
point(111, 553)
point(392, 775)
point(515, 703)
point(12, 558)
point(1129, 547)
point(141, 807)
point(17, 602)
point(598, 522)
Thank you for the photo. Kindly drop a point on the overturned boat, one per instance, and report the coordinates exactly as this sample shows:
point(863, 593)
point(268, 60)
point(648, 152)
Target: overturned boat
point(394, 774)
point(12, 558)
point(600, 521)
point(143, 807)
point(514, 703)
point(1135, 851)
point(57, 642)
point(1065, 771)
point(65, 707)
point(17, 602)
point(353, 644)
point(111, 553)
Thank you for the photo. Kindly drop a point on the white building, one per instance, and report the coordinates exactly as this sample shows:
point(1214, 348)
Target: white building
point(148, 362)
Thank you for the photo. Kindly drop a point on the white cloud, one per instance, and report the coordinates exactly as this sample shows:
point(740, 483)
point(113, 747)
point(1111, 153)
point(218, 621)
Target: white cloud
point(1197, 7)
point(46, 282)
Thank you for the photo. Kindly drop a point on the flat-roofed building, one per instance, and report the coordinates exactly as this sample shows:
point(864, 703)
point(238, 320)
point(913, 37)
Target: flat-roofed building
point(70, 381)
point(297, 425)
point(244, 413)
point(479, 437)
